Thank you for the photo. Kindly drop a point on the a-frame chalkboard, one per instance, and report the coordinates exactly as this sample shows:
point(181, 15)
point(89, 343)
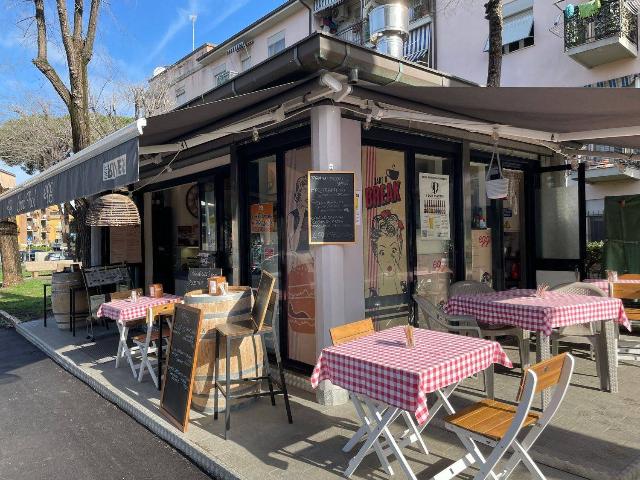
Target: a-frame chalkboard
point(182, 355)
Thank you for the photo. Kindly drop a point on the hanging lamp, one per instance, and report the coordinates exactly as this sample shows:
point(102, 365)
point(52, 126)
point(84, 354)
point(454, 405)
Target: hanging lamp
point(112, 210)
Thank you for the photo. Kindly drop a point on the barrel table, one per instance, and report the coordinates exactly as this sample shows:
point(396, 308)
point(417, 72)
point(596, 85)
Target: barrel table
point(247, 356)
point(61, 283)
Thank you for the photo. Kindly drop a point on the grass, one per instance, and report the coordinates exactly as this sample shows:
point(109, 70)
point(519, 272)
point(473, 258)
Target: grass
point(24, 301)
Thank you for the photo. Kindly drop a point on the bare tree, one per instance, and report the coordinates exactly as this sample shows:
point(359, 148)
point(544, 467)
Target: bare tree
point(151, 98)
point(78, 47)
point(493, 13)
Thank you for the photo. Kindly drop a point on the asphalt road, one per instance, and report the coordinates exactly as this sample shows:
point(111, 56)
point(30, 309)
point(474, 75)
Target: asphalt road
point(53, 426)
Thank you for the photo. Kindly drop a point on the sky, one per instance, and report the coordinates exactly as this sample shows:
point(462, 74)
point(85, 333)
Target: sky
point(134, 37)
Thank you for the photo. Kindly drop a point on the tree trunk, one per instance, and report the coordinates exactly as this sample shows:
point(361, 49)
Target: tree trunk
point(11, 266)
point(493, 13)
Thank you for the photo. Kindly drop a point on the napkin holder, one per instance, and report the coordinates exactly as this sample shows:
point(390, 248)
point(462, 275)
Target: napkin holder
point(156, 290)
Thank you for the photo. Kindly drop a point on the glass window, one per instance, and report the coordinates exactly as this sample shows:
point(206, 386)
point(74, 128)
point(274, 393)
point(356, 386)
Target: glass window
point(300, 263)
point(385, 242)
point(433, 218)
point(263, 228)
point(246, 63)
point(275, 43)
point(208, 226)
point(481, 259)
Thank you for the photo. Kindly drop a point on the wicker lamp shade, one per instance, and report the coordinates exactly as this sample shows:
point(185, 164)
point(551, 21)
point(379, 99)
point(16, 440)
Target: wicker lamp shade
point(113, 210)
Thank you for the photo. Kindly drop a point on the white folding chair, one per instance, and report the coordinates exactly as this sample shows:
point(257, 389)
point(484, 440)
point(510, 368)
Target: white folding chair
point(150, 341)
point(498, 424)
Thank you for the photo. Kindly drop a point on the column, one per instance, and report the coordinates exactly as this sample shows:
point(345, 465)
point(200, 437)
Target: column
point(339, 271)
point(147, 203)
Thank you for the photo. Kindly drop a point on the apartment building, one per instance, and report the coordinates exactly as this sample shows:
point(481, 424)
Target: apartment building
point(550, 44)
point(41, 228)
point(210, 66)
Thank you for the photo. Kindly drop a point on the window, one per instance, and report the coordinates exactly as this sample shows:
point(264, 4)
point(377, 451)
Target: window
point(220, 74)
point(517, 31)
point(275, 43)
point(246, 63)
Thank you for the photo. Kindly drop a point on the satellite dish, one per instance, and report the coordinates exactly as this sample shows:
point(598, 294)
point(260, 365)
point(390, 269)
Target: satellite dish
point(158, 70)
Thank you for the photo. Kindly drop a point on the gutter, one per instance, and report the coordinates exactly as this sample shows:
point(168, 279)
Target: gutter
point(310, 15)
point(320, 52)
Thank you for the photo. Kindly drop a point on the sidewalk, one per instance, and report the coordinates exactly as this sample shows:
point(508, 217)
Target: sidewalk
point(594, 435)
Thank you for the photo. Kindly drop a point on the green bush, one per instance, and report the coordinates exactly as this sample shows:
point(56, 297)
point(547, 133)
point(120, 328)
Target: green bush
point(594, 263)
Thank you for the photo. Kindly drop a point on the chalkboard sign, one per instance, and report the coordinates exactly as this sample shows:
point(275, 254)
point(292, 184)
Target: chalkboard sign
point(197, 277)
point(331, 207)
point(265, 288)
point(175, 398)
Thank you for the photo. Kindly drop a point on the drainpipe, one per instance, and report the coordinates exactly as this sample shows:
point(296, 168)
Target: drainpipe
point(310, 15)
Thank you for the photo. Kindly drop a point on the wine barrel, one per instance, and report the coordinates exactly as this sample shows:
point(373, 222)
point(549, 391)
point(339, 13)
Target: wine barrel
point(60, 283)
point(246, 355)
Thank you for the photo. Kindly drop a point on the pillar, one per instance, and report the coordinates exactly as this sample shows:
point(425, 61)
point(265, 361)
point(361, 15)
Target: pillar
point(339, 269)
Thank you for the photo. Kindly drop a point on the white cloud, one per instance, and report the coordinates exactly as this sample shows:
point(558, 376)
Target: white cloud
point(180, 22)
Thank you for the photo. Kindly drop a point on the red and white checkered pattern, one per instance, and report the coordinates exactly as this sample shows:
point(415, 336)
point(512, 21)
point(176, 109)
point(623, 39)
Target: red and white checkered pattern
point(604, 284)
point(383, 368)
point(522, 308)
point(126, 311)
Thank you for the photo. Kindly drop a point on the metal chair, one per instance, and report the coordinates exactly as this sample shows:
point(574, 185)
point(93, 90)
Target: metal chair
point(471, 287)
point(255, 327)
point(498, 424)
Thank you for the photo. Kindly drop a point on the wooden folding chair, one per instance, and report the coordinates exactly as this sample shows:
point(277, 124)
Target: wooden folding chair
point(629, 276)
point(124, 294)
point(629, 293)
point(498, 424)
point(348, 333)
point(149, 342)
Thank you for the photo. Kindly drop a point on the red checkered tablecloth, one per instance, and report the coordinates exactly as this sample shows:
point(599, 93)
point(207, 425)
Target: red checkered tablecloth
point(383, 368)
point(522, 308)
point(125, 311)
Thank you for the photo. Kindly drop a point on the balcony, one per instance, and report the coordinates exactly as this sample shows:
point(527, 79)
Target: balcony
point(419, 9)
point(609, 35)
point(322, 5)
point(356, 33)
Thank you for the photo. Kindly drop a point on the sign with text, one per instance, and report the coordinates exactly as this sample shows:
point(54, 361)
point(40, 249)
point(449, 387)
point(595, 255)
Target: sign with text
point(332, 218)
point(175, 398)
point(125, 244)
point(197, 278)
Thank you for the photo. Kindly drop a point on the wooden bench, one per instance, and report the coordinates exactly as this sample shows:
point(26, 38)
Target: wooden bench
point(36, 268)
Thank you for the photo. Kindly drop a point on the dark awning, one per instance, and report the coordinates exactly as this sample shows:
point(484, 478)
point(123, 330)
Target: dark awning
point(114, 161)
point(609, 116)
point(105, 165)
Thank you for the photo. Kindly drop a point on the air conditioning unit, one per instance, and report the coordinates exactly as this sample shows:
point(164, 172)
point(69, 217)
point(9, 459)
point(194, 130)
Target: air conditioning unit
point(341, 13)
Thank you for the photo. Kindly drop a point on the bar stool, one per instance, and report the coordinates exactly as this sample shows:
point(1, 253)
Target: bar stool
point(253, 328)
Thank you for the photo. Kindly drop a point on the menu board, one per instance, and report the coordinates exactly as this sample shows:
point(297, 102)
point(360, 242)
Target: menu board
point(434, 206)
point(331, 207)
point(197, 277)
point(125, 245)
point(175, 398)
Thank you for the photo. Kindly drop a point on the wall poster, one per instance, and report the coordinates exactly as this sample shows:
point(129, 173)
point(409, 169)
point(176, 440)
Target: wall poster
point(261, 218)
point(434, 206)
point(385, 251)
point(301, 302)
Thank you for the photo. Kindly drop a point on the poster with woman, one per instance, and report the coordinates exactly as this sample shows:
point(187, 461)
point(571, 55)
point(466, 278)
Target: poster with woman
point(301, 302)
point(384, 218)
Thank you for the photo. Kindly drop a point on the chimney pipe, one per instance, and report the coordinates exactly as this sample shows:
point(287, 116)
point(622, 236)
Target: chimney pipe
point(389, 27)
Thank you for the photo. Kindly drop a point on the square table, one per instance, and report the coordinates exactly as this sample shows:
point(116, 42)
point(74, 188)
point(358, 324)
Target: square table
point(129, 314)
point(393, 379)
point(522, 308)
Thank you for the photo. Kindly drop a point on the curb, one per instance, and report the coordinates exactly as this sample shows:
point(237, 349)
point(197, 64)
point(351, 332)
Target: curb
point(141, 414)
point(217, 469)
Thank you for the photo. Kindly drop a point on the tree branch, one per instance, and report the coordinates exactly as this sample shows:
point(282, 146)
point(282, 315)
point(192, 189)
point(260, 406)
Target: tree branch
point(41, 61)
point(64, 31)
point(87, 51)
point(77, 20)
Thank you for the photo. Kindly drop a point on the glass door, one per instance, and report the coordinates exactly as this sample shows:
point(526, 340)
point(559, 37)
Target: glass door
point(560, 224)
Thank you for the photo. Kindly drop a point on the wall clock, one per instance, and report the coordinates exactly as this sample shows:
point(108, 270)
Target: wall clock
point(192, 200)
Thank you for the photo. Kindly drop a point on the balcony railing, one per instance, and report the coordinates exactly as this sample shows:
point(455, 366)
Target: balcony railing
point(614, 19)
point(321, 5)
point(356, 33)
point(420, 8)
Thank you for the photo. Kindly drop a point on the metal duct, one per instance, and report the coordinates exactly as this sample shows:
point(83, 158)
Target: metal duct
point(389, 27)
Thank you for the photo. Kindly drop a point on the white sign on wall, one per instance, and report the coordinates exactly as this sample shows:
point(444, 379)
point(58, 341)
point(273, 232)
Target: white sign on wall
point(434, 206)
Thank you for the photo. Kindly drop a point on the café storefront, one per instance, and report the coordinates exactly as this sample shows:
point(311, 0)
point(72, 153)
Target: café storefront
point(226, 181)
